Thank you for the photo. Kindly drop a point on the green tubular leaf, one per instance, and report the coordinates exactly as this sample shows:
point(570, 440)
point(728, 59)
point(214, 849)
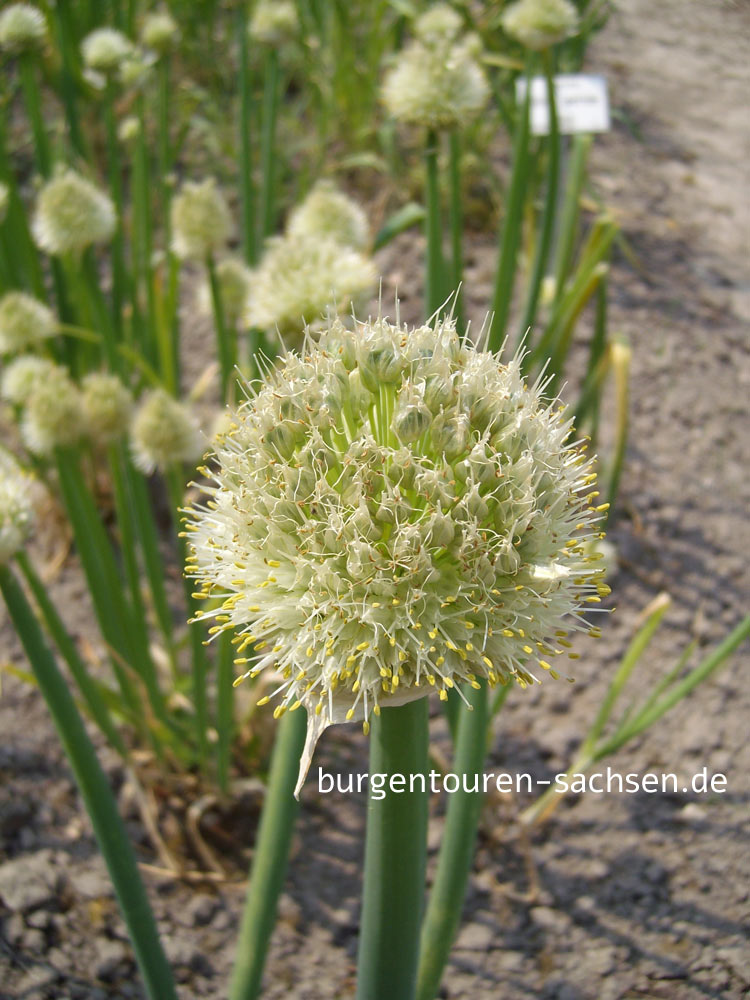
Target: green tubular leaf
point(406, 217)
point(97, 795)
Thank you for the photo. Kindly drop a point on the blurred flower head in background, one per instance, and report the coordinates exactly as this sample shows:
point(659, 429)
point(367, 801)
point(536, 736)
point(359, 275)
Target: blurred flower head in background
point(105, 49)
point(329, 213)
point(72, 214)
point(107, 407)
point(160, 32)
point(299, 278)
point(234, 278)
point(21, 376)
point(437, 79)
point(273, 22)
point(163, 433)
point(53, 413)
point(22, 28)
point(24, 322)
point(16, 507)
point(201, 223)
point(537, 24)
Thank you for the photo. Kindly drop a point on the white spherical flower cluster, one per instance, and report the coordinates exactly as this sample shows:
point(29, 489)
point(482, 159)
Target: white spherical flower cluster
point(440, 21)
point(437, 80)
point(538, 24)
point(163, 433)
point(16, 508)
point(160, 32)
point(273, 22)
point(24, 322)
point(105, 49)
point(299, 278)
point(107, 407)
point(396, 512)
point(328, 213)
point(22, 27)
point(71, 214)
point(53, 413)
point(234, 278)
point(201, 223)
point(22, 375)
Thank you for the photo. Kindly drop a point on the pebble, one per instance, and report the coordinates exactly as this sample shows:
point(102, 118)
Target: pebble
point(29, 881)
point(476, 937)
point(111, 954)
point(549, 919)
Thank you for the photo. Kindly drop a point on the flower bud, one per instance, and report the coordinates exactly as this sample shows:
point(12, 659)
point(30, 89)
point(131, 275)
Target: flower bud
point(412, 418)
point(450, 435)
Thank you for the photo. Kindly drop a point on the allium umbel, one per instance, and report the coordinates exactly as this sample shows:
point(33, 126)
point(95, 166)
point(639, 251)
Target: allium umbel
point(395, 512)
point(71, 214)
point(327, 212)
point(22, 28)
point(107, 406)
point(105, 49)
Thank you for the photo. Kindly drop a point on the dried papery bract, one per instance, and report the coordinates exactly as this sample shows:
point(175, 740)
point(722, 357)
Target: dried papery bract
point(163, 433)
point(396, 512)
point(538, 24)
point(299, 278)
point(23, 28)
point(25, 322)
point(72, 214)
point(328, 213)
point(201, 223)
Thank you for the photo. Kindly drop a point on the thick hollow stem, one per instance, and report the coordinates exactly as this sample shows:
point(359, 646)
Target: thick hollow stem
point(270, 859)
point(395, 855)
point(433, 229)
point(457, 849)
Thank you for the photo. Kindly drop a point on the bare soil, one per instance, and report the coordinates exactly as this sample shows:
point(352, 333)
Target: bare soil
point(618, 896)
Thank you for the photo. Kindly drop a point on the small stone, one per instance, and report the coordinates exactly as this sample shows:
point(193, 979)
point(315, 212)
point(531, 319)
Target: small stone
point(29, 881)
point(476, 937)
point(112, 954)
point(549, 919)
point(692, 813)
point(202, 909)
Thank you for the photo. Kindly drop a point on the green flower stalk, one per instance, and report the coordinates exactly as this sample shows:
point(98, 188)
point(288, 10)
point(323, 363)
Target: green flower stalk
point(539, 24)
point(163, 433)
point(25, 323)
point(396, 513)
point(328, 213)
point(234, 279)
point(299, 278)
point(71, 215)
point(23, 28)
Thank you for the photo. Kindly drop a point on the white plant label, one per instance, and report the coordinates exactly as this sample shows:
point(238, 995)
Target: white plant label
point(581, 98)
